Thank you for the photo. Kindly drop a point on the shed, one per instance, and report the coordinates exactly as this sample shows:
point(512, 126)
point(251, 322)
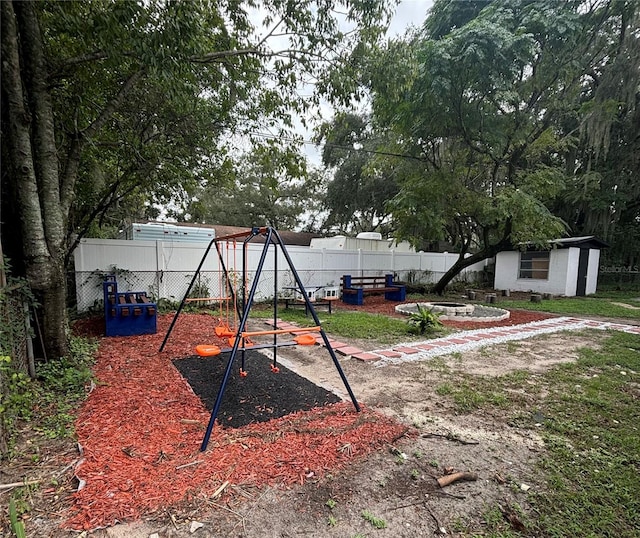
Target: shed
point(569, 267)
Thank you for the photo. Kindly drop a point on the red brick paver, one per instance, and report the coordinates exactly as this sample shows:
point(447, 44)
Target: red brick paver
point(406, 350)
point(366, 356)
point(390, 354)
point(348, 350)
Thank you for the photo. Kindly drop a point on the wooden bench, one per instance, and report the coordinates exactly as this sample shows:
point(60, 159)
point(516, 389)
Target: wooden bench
point(354, 288)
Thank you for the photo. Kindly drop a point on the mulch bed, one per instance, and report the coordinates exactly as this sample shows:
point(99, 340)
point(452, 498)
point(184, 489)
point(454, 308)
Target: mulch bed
point(376, 304)
point(140, 431)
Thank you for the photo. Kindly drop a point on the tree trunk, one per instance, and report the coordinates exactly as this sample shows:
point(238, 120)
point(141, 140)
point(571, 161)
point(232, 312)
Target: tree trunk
point(54, 312)
point(38, 202)
point(488, 252)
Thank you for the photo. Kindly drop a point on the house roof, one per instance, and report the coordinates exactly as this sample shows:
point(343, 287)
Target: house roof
point(288, 238)
point(586, 241)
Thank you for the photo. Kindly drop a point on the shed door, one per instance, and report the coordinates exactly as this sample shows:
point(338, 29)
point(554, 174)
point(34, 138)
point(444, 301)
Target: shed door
point(583, 263)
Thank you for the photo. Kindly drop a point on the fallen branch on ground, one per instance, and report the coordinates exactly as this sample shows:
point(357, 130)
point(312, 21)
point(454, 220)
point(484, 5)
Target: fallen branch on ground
point(19, 484)
point(451, 437)
point(455, 477)
point(219, 491)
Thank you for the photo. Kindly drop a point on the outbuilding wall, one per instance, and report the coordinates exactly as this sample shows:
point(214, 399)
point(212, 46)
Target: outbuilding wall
point(563, 273)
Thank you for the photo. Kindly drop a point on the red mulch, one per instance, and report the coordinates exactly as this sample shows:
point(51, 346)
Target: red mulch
point(376, 304)
point(142, 426)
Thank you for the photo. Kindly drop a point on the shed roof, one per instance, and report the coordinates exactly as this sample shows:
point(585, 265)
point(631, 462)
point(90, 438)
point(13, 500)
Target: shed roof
point(585, 241)
point(288, 238)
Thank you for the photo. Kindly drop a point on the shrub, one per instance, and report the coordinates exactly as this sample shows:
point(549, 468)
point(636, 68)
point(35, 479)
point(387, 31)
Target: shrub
point(424, 320)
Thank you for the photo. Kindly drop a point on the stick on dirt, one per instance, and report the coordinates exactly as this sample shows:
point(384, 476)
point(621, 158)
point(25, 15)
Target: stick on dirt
point(220, 489)
point(19, 484)
point(455, 477)
point(451, 437)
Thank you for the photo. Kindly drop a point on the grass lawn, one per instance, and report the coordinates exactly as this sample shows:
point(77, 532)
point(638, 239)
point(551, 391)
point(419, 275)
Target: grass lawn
point(355, 325)
point(600, 304)
point(591, 426)
point(591, 306)
point(592, 435)
point(590, 422)
point(589, 418)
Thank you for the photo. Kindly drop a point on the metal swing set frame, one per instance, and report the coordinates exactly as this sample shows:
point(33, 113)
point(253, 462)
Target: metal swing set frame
point(242, 307)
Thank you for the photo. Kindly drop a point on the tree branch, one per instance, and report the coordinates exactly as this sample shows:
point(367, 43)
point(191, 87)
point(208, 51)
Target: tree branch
point(80, 139)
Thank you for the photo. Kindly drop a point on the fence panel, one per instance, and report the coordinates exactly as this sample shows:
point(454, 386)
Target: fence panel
point(164, 268)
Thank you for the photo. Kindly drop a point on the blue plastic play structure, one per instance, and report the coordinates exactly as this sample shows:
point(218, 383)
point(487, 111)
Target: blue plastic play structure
point(127, 313)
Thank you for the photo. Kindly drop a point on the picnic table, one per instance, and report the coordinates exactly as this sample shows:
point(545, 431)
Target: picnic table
point(314, 296)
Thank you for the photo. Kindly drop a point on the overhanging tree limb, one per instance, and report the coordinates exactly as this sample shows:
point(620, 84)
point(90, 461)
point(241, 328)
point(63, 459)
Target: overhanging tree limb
point(80, 139)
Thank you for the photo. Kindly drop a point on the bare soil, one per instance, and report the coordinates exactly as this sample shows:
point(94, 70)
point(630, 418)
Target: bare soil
point(398, 485)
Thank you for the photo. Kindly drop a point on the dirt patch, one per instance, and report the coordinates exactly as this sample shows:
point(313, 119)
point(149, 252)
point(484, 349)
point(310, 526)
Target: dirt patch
point(533, 355)
point(625, 305)
point(407, 391)
point(396, 483)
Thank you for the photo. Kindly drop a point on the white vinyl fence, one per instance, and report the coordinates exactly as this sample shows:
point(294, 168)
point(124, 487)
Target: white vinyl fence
point(164, 268)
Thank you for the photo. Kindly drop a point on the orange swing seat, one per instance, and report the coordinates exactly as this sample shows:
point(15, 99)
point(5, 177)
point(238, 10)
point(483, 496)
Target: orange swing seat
point(206, 350)
point(244, 341)
point(223, 331)
point(305, 340)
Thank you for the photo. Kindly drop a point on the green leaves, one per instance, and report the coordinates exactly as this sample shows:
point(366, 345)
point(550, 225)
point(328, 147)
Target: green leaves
point(424, 319)
point(484, 118)
point(377, 522)
point(532, 220)
point(155, 92)
point(361, 185)
point(269, 186)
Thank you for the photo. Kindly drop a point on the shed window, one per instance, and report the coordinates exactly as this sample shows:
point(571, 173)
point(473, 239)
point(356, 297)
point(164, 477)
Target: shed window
point(534, 265)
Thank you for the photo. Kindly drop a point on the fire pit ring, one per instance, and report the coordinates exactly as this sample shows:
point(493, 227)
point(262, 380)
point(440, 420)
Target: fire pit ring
point(457, 311)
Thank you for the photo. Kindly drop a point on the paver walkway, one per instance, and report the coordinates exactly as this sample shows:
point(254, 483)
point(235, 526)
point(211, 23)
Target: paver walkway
point(466, 340)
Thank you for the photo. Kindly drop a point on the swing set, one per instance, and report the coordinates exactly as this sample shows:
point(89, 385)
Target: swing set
point(236, 303)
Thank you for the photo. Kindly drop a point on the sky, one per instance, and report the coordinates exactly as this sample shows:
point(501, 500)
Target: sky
point(408, 13)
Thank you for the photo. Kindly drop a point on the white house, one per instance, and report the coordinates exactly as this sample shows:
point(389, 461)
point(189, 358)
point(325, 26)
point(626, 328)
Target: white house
point(569, 267)
point(370, 241)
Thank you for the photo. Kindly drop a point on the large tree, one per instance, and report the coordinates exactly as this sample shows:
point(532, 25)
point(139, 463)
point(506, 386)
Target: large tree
point(602, 196)
point(481, 110)
point(357, 193)
point(270, 185)
point(107, 100)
